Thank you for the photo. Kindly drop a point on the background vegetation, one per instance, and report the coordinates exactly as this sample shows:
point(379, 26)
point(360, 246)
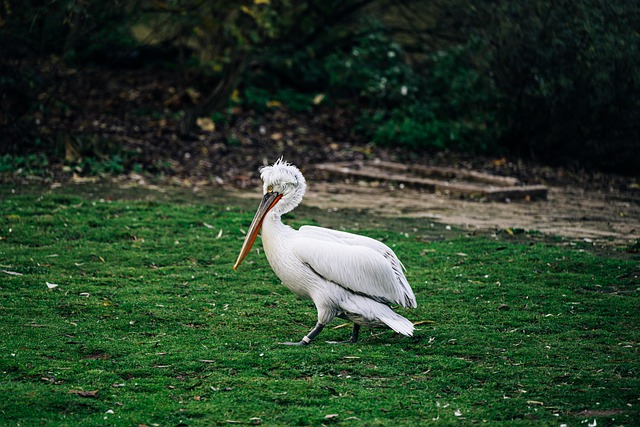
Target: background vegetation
point(558, 81)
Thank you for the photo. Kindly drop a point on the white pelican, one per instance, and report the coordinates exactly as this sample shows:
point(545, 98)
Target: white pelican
point(345, 275)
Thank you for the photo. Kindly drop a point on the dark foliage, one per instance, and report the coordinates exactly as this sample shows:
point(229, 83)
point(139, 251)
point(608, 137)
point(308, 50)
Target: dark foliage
point(558, 81)
point(568, 73)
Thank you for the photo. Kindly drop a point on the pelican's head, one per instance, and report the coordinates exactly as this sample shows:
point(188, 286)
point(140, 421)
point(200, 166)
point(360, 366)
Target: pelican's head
point(283, 189)
point(285, 180)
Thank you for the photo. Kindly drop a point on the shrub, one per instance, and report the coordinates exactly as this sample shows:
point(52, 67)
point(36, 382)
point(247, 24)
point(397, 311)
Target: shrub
point(568, 75)
point(439, 103)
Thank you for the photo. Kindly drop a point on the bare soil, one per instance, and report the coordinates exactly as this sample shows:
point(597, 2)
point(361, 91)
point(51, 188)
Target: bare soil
point(590, 215)
point(602, 218)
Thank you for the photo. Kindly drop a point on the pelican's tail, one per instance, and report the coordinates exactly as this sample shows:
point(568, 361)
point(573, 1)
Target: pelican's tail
point(398, 323)
point(367, 312)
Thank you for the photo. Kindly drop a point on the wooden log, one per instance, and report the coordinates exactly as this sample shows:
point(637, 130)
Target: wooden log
point(501, 191)
point(450, 173)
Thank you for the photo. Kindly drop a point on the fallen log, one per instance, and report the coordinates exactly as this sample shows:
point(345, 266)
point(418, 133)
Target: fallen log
point(449, 181)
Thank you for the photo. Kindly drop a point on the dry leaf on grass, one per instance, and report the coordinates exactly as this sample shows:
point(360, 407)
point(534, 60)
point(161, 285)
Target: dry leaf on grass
point(12, 273)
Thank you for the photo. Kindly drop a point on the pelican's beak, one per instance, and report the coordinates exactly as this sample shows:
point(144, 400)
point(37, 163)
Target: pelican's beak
point(268, 201)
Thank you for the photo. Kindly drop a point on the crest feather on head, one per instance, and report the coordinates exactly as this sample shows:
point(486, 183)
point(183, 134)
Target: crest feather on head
point(281, 172)
point(287, 180)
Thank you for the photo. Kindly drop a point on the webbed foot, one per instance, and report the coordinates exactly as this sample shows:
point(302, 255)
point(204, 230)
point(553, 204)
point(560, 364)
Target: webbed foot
point(307, 338)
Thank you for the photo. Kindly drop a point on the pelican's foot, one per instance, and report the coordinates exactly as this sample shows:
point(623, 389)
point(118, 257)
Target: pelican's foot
point(307, 338)
point(352, 340)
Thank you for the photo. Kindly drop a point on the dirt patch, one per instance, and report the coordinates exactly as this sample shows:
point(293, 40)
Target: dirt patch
point(601, 217)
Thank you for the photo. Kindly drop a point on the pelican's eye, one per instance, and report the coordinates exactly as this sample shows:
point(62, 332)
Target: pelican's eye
point(270, 189)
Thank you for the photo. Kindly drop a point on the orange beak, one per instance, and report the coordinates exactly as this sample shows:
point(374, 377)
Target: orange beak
point(268, 201)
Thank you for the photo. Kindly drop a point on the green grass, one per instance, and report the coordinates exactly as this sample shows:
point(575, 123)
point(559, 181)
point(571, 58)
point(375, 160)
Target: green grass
point(149, 324)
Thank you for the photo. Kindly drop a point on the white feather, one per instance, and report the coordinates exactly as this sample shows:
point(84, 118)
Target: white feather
point(345, 274)
point(359, 263)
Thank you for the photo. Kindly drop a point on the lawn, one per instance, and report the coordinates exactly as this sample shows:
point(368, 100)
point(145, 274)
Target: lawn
point(122, 308)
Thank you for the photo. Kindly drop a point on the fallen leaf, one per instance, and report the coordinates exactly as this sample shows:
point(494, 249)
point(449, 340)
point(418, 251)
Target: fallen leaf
point(330, 416)
point(318, 99)
point(77, 179)
point(12, 273)
point(51, 285)
point(534, 402)
point(422, 322)
point(208, 225)
point(206, 124)
point(235, 96)
point(343, 325)
point(193, 94)
point(500, 162)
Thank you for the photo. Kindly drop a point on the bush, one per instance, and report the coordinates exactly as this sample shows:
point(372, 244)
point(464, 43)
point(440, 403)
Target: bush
point(568, 76)
point(556, 80)
point(443, 103)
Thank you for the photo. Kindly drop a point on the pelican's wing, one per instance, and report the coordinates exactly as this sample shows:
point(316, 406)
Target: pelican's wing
point(358, 263)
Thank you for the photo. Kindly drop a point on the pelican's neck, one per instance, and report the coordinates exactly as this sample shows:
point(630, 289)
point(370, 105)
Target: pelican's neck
point(273, 225)
point(273, 229)
point(275, 234)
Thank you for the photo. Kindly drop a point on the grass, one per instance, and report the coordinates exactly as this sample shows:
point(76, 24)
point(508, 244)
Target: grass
point(149, 324)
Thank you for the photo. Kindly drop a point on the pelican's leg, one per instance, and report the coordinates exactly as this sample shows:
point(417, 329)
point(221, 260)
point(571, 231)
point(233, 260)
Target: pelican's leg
point(352, 339)
point(354, 333)
point(309, 337)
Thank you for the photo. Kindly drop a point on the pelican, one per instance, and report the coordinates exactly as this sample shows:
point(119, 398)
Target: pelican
point(345, 275)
